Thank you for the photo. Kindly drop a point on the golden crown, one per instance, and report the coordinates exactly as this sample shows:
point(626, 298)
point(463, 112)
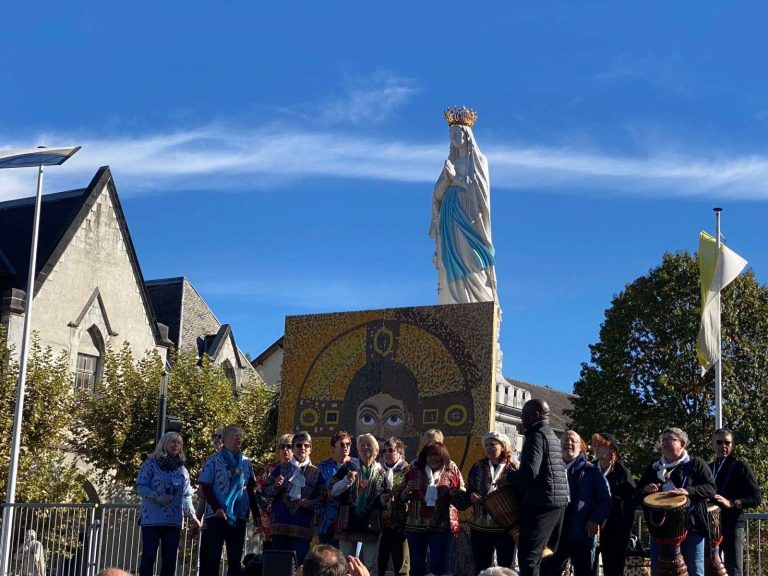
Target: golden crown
point(460, 115)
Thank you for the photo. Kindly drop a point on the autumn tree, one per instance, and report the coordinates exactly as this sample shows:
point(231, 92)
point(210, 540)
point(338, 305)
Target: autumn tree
point(643, 374)
point(44, 472)
point(119, 422)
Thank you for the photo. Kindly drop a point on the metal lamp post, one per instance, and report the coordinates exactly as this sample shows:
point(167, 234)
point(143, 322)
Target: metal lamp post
point(25, 158)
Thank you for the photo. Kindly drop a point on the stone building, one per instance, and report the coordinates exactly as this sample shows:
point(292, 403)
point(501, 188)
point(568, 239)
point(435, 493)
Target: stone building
point(269, 364)
point(512, 394)
point(89, 289)
point(193, 326)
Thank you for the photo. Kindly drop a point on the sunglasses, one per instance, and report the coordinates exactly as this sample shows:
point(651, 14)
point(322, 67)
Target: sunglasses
point(285, 446)
point(345, 444)
point(723, 442)
point(302, 445)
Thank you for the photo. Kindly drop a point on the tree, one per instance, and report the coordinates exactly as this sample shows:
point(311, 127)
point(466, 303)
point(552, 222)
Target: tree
point(257, 408)
point(44, 474)
point(119, 420)
point(643, 374)
point(200, 394)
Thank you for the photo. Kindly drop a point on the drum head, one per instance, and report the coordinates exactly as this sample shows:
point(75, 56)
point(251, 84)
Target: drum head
point(713, 509)
point(665, 500)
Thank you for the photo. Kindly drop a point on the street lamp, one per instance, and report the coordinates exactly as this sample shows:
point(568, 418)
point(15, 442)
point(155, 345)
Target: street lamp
point(25, 158)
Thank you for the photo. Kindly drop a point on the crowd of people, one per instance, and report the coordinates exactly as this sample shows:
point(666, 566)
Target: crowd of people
point(377, 510)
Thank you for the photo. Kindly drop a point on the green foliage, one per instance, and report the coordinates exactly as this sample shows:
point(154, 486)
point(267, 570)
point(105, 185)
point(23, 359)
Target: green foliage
point(643, 374)
point(117, 426)
point(257, 408)
point(114, 429)
point(201, 395)
point(44, 475)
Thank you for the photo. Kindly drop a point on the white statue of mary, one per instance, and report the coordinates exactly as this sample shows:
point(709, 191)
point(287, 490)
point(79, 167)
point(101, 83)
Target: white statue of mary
point(461, 218)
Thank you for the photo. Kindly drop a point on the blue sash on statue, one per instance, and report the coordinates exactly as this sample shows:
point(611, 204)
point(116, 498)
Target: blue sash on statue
point(452, 221)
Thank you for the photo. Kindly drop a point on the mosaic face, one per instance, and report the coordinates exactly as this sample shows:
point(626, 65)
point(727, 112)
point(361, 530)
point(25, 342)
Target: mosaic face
point(393, 372)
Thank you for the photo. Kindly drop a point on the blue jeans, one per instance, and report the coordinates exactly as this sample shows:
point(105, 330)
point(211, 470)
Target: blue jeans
point(437, 543)
point(167, 537)
point(692, 550)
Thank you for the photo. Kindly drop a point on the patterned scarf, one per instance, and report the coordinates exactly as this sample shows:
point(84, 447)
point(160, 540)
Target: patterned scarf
point(169, 463)
point(366, 487)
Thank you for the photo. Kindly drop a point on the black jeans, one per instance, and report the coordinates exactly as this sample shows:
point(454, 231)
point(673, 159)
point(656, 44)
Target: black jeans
point(582, 557)
point(732, 550)
point(167, 537)
point(216, 534)
point(539, 527)
point(393, 544)
point(613, 549)
point(483, 545)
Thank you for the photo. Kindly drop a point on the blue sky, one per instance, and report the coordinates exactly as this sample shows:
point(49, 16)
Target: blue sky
point(282, 155)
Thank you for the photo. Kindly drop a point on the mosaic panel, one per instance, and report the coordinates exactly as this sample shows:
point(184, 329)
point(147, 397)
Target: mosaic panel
point(392, 372)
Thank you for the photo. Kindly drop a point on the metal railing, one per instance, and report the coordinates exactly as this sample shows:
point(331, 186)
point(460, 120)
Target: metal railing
point(82, 539)
point(754, 537)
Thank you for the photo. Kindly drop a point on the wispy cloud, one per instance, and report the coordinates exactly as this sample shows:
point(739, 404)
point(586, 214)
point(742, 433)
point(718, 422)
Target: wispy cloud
point(371, 99)
point(221, 157)
point(368, 100)
point(665, 71)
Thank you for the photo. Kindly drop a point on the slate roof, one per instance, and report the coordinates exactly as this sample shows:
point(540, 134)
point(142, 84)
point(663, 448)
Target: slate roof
point(57, 212)
point(191, 323)
point(167, 299)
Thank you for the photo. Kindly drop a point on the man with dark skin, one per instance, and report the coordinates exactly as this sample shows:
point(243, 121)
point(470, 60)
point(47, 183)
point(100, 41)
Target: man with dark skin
point(541, 486)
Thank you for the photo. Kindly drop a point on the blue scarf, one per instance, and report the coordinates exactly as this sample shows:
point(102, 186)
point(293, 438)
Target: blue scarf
point(236, 482)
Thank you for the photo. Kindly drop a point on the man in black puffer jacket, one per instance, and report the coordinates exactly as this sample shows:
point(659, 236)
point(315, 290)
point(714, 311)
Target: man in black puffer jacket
point(542, 487)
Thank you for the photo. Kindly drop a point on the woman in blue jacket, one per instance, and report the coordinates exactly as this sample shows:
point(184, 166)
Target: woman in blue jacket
point(166, 495)
point(590, 503)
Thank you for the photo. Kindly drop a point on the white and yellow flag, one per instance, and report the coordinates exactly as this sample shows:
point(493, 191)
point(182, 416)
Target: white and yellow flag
point(717, 271)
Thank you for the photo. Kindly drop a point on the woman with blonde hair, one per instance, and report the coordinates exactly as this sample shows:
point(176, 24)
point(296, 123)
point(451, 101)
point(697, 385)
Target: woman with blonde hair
point(359, 485)
point(166, 496)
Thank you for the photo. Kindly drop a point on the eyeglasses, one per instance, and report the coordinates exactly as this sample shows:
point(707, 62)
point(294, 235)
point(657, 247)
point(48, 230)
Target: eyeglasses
point(302, 445)
point(345, 444)
point(388, 451)
point(285, 446)
point(723, 442)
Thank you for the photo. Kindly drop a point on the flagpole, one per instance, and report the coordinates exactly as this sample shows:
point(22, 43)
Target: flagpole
point(718, 364)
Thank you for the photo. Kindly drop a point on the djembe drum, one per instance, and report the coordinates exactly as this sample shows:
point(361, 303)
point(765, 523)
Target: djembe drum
point(504, 508)
point(667, 518)
point(713, 564)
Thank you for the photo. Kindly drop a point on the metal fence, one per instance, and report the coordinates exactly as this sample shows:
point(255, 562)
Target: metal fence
point(82, 539)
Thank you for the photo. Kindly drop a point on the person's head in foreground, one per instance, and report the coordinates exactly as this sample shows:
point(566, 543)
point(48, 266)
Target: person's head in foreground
point(324, 560)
